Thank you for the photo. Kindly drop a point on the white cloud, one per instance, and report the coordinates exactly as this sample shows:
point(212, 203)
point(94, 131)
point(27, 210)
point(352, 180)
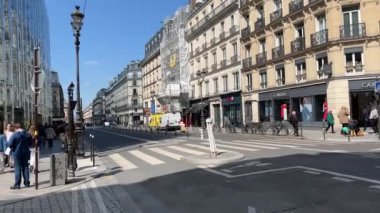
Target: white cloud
point(91, 63)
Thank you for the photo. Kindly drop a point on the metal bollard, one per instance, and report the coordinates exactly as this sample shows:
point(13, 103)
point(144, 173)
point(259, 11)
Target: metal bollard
point(90, 147)
point(324, 131)
point(349, 136)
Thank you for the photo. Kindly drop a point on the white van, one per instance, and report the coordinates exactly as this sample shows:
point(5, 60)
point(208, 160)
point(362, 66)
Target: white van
point(172, 120)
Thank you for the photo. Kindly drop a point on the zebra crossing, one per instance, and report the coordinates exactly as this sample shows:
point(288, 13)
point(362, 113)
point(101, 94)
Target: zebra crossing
point(156, 156)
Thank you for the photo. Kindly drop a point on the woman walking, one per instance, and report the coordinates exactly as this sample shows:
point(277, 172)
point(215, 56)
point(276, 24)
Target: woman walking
point(8, 132)
point(330, 122)
point(343, 119)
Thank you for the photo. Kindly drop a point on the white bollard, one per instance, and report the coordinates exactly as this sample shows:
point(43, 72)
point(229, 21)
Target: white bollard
point(211, 138)
point(201, 129)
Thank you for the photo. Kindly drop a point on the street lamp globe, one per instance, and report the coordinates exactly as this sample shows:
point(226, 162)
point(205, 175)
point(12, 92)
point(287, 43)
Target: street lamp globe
point(77, 19)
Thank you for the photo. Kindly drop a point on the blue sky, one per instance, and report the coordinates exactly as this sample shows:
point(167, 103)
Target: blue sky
point(114, 32)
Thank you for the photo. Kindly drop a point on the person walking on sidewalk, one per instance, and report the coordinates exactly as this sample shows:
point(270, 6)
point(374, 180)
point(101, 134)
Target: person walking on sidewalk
point(343, 119)
point(330, 122)
point(8, 132)
point(32, 133)
point(50, 136)
point(294, 122)
point(20, 144)
point(3, 147)
point(373, 116)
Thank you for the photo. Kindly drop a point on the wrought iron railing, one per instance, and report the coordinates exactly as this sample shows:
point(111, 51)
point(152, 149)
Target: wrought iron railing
point(298, 44)
point(319, 38)
point(261, 58)
point(276, 15)
point(295, 5)
point(247, 62)
point(278, 52)
point(353, 31)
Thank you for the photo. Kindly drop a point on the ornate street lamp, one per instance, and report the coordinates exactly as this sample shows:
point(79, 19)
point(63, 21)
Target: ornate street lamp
point(201, 77)
point(71, 138)
point(77, 23)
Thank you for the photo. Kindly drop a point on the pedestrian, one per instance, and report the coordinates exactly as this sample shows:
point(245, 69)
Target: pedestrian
point(41, 135)
point(20, 144)
point(330, 121)
point(343, 119)
point(373, 116)
point(8, 132)
point(50, 135)
point(32, 133)
point(3, 147)
point(293, 120)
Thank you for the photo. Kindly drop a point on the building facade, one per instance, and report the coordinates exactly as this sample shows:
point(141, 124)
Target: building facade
point(57, 98)
point(99, 107)
point(301, 53)
point(24, 25)
point(151, 75)
point(214, 63)
point(124, 96)
point(87, 114)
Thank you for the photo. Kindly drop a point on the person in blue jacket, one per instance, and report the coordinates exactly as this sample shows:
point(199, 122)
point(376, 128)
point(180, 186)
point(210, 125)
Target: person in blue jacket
point(20, 144)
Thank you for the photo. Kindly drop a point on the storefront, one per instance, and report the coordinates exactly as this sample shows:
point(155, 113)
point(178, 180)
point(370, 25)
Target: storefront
point(307, 101)
point(232, 112)
point(362, 97)
point(196, 108)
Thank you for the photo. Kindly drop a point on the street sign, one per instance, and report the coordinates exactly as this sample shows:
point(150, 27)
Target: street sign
point(377, 86)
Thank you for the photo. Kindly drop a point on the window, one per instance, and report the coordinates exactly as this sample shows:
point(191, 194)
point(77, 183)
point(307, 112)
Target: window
point(134, 91)
point(236, 81)
point(134, 102)
point(320, 23)
point(216, 86)
point(320, 62)
point(249, 82)
point(214, 57)
point(206, 61)
point(146, 105)
point(200, 90)
point(225, 83)
point(234, 47)
point(351, 20)
point(280, 76)
point(301, 71)
point(279, 39)
point(192, 91)
point(134, 83)
point(207, 88)
point(213, 32)
point(247, 51)
point(222, 26)
point(232, 20)
point(204, 39)
point(262, 46)
point(263, 80)
point(224, 52)
point(277, 5)
point(354, 62)
point(300, 31)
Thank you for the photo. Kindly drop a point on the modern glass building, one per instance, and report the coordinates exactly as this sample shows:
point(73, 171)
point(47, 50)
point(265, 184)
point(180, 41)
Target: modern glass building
point(24, 25)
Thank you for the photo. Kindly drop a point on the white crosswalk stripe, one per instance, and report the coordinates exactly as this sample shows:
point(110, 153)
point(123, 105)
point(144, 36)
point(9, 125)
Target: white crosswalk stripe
point(204, 147)
point(74, 200)
point(147, 158)
point(166, 153)
point(87, 202)
point(235, 147)
point(190, 151)
point(122, 162)
point(270, 144)
point(250, 145)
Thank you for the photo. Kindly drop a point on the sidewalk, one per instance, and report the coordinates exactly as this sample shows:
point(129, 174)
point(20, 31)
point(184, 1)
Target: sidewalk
point(84, 172)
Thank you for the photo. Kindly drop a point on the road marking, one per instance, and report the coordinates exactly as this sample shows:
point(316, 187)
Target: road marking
point(377, 167)
point(235, 147)
point(243, 143)
point(378, 149)
point(271, 144)
point(98, 197)
point(312, 172)
point(374, 187)
point(227, 170)
point(341, 175)
point(283, 142)
point(166, 153)
point(251, 209)
point(122, 162)
point(204, 147)
point(87, 202)
point(74, 200)
point(264, 164)
point(321, 150)
point(177, 148)
point(147, 158)
point(347, 180)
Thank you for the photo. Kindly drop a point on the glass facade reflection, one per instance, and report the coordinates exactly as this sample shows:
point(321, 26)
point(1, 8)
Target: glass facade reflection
point(24, 25)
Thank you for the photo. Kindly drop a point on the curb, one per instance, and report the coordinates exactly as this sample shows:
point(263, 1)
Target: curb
point(68, 186)
point(207, 160)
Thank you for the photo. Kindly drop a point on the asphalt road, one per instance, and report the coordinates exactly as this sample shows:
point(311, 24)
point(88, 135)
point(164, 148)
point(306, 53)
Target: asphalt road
point(145, 173)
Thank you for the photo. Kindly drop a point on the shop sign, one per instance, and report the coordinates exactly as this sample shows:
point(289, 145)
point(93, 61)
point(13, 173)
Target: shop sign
point(368, 84)
point(280, 94)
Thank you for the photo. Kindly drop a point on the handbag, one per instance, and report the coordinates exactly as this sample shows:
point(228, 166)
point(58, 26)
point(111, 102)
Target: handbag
point(7, 151)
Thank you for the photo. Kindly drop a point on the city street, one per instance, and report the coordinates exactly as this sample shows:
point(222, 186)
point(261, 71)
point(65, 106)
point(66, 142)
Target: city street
point(145, 173)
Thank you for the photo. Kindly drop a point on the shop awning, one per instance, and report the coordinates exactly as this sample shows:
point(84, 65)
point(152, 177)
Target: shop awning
point(198, 106)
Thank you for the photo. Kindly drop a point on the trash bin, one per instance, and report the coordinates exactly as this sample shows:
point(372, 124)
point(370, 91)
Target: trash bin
point(58, 169)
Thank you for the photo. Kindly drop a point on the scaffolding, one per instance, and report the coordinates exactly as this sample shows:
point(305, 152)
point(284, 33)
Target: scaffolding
point(174, 91)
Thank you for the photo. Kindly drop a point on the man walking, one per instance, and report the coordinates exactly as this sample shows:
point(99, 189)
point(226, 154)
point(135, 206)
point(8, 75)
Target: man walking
point(19, 144)
point(294, 122)
point(50, 136)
